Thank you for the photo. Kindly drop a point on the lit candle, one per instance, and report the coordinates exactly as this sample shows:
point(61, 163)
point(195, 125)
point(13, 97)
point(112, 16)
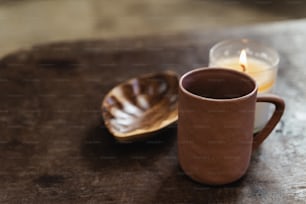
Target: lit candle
point(259, 70)
point(258, 61)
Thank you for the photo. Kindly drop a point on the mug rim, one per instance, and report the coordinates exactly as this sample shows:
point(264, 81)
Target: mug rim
point(218, 69)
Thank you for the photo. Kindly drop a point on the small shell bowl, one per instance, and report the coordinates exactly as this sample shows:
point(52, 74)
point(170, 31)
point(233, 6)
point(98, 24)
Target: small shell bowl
point(140, 106)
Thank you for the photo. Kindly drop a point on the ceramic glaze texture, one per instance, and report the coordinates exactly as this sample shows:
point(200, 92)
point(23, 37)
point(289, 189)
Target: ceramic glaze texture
point(141, 105)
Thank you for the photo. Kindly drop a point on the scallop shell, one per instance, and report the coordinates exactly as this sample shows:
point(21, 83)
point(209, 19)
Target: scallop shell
point(141, 105)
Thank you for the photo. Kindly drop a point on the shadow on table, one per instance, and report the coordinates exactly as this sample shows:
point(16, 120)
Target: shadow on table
point(101, 150)
point(179, 188)
point(104, 154)
point(255, 185)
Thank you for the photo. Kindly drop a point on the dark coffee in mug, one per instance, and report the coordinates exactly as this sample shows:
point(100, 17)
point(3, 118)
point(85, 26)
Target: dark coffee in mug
point(217, 87)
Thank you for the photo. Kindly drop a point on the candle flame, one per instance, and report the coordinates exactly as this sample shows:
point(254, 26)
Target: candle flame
point(243, 60)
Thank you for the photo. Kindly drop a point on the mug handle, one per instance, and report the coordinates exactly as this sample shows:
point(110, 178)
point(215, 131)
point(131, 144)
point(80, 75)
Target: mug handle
point(277, 114)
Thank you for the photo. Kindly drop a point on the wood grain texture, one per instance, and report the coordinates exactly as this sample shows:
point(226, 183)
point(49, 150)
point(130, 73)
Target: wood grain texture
point(55, 149)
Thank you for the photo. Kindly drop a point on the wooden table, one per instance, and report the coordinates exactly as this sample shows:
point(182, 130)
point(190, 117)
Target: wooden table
point(54, 147)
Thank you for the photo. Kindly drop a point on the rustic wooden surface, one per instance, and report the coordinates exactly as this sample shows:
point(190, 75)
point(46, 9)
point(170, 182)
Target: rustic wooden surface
point(55, 149)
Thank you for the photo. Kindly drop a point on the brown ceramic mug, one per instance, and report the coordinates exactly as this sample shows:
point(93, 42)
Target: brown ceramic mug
point(216, 122)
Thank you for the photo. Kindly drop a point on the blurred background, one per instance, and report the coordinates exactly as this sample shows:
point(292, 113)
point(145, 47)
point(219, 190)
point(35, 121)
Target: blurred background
point(28, 22)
